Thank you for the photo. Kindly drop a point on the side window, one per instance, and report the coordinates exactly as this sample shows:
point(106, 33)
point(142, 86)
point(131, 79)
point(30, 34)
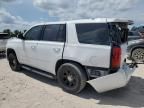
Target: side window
point(55, 32)
point(93, 33)
point(33, 33)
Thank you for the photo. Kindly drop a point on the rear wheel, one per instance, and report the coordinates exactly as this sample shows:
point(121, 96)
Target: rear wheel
point(71, 77)
point(13, 62)
point(138, 55)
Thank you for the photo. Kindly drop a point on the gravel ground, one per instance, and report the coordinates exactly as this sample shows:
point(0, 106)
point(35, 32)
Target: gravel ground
point(28, 90)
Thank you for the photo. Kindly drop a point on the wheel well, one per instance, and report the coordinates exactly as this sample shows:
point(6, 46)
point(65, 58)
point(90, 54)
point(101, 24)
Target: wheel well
point(135, 48)
point(10, 51)
point(63, 61)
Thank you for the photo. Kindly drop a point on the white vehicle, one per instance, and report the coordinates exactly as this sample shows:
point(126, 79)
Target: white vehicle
point(75, 53)
point(3, 42)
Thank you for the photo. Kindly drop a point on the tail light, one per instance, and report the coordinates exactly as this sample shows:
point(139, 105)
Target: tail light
point(116, 57)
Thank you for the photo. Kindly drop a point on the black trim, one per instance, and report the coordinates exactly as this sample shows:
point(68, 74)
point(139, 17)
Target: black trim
point(40, 71)
point(64, 41)
point(63, 49)
point(42, 32)
point(111, 47)
point(98, 69)
point(110, 65)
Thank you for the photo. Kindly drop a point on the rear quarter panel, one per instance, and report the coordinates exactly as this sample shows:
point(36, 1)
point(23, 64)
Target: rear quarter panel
point(88, 55)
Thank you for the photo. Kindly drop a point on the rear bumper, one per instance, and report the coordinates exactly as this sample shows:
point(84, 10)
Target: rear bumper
point(112, 81)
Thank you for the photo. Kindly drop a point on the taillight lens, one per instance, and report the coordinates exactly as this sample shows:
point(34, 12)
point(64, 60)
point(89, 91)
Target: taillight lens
point(116, 57)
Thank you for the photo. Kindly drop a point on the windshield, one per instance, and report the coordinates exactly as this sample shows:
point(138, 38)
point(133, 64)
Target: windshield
point(118, 32)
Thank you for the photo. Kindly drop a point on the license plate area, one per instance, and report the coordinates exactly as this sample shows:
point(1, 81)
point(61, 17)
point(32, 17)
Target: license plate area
point(113, 81)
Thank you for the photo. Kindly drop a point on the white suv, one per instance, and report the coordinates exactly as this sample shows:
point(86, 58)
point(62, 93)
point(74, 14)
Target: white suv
point(75, 52)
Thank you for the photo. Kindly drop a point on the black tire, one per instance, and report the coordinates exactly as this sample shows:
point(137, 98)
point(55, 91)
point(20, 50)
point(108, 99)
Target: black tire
point(13, 62)
point(71, 77)
point(138, 54)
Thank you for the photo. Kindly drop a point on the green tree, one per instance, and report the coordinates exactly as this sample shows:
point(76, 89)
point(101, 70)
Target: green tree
point(24, 31)
point(7, 31)
point(15, 33)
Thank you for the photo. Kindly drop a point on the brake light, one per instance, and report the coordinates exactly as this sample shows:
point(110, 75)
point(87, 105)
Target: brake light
point(116, 57)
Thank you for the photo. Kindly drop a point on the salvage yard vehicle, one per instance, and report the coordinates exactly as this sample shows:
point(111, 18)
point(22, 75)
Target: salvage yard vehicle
point(3, 41)
point(75, 53)
point(136, 50)
point(134, 35)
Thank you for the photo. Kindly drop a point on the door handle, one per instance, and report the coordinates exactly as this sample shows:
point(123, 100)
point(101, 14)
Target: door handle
point(57, 50)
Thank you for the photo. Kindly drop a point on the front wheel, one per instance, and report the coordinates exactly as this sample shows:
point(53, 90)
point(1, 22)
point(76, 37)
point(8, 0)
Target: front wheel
point(13, 62)
point(71, 77)
point(138, 55)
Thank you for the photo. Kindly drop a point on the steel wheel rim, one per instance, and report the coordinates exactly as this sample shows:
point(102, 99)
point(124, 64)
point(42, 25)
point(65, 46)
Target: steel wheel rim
point(138, 55)
point(68, 78)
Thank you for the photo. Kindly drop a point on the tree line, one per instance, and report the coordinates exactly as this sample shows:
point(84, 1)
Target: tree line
point(14, 33)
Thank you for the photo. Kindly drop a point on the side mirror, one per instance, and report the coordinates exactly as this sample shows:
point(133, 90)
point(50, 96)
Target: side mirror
point(20, 36)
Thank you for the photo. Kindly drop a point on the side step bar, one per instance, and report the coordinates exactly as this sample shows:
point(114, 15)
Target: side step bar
point(40, 72)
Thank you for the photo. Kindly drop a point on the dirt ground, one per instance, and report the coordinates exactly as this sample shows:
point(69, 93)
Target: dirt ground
point(28, 90)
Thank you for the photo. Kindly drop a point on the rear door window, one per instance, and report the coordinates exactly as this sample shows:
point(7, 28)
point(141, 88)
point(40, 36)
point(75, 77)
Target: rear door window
point(55, 32)
point(93, 33)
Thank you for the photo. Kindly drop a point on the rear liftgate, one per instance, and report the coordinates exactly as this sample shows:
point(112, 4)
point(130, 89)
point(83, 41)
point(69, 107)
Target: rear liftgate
point(118, 79)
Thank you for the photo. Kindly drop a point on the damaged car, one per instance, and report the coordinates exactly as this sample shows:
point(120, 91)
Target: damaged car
point(75, 53)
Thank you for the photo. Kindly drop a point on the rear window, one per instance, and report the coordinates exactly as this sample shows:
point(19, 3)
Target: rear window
point(93, 33)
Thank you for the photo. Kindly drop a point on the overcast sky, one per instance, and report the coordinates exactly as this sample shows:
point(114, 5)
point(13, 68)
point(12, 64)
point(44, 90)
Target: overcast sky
point(20, 14)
